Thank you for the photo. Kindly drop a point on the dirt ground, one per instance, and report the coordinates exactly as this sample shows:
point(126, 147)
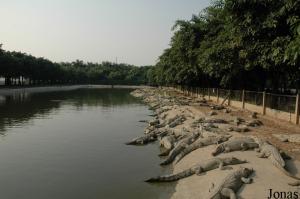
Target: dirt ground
point(266, 178)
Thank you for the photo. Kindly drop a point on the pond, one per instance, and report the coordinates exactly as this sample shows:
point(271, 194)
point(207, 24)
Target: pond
point(70, 145)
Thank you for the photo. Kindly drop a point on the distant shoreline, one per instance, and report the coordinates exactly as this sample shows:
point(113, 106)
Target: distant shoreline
point(42, 89)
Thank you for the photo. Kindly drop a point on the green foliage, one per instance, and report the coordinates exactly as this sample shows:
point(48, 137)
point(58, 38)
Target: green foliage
point(251, 44)
point(17, 65)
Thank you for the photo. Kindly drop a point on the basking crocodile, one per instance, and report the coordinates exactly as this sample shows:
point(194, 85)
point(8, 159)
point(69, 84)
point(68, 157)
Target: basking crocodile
point(237, 144)
point(177, 121)
point(160, 111)
point(200, 142)
point(182, 144)
point(232, 183)
point(168, 141)
point(213, 120)
point(239, 129)
point(143, 121)
point(154, 122)
point(254, 123)
point(200, 168)
point(172, 119)
point(149, 137)
point(267, 150)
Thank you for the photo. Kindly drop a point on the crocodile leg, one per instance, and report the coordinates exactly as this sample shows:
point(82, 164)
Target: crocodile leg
point(244, 146)
point(262, 155)
point(199, 171)
point(229, 193)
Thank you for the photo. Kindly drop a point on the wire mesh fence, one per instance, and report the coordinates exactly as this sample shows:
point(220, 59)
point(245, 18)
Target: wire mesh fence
point(285, 103)
point(236, 95)
point(253, 97)
point(223, 93)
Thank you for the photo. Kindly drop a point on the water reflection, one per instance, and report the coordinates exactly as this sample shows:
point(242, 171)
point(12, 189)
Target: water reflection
point(70, 145)
point(18, 109)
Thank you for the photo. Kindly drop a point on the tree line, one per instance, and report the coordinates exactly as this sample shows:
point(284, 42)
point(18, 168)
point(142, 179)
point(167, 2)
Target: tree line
point(19, 68)
point(237, 44)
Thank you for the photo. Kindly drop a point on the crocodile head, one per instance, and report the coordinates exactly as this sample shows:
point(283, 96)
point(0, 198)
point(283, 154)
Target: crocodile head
point(219, 149)
point(233, 160)
point(223, 139)
point(246, 172)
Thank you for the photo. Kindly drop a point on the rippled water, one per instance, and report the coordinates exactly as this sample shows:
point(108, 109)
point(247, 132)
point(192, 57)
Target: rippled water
point(70, 145)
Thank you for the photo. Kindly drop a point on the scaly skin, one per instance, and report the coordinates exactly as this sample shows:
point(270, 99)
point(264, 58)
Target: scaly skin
point(267, 150)
point(200, 142)
point(200, 168)
point(232, 183)
point(168, 141)
point(237, 144)
point(149, 137)
point(182, 144)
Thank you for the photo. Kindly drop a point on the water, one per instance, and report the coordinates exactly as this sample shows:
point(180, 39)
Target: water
point(70, 145)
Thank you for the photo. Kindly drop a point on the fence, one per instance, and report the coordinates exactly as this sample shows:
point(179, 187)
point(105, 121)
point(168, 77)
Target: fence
point(286, 107)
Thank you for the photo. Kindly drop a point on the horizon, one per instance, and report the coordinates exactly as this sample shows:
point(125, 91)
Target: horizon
point(135, 32)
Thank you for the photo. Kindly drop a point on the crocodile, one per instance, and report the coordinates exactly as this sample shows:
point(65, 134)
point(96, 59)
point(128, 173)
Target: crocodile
point(149, 137)
point(172, 119)
point(232, 183)
point(239, 129)
point(212, 113)
point(237, 121)
point(200, 142)
point(154, 122)
point(254, 115)
point(267, 150)
point(168, 141)
point(199, 169)
point(217, 107)
point(254, 123)
point(237, 144)
point(213, 120)
point(182, 144)
point(160, 111)
point(177, 121)
point(143, 121)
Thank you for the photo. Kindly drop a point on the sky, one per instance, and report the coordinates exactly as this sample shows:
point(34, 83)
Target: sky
point(133, 31)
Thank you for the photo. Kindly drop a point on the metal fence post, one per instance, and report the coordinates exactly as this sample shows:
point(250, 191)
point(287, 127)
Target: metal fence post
point(229, 98)
point(264, 103)
point(297, 111)
point(243, 99)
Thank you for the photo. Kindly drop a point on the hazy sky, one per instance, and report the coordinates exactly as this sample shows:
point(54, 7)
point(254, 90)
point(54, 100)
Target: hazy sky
point(135, 31)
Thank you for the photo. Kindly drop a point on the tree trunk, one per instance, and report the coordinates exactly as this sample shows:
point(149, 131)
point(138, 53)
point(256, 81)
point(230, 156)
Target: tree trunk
point(7, 81)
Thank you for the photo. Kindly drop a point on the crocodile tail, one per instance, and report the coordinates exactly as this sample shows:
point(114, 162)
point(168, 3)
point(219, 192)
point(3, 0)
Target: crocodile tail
point(133, 142)
point(173, 177)
point(297, 183)
point(278, 165)
point(169, 160)
point(186, 151)
point(289, 174)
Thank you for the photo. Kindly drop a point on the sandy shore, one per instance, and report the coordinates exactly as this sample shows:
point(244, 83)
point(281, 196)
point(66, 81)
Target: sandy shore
point(266, 177)
point(12, 91)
